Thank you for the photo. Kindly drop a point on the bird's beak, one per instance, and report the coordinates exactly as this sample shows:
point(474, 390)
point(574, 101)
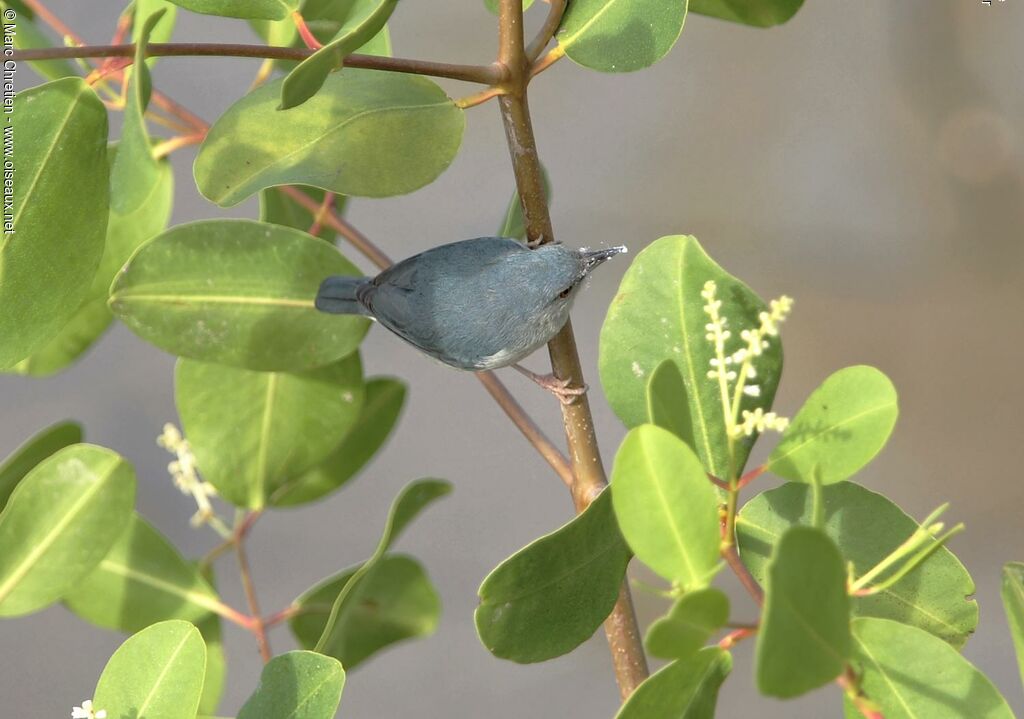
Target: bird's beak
point(593, 258)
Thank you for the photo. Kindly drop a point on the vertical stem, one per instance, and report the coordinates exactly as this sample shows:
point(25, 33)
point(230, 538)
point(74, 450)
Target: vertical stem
point(584, 454)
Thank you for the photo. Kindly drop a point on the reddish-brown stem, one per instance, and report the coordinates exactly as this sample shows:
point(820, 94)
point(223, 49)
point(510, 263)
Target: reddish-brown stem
point(851, 685)
point(750, 476)
point(732, 558)
point(717, 482)
point(321, 213)
point(736, 636)
point(304, 32)
point(282, 615)
point(257, 627)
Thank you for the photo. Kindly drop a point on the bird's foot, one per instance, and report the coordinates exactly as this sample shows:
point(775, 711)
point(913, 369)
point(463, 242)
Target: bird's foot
point(555, 385)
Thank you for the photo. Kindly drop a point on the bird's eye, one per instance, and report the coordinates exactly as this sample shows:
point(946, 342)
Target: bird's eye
point(565, 293)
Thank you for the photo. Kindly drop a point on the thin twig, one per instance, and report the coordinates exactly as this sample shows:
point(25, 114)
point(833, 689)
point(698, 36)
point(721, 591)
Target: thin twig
point(484, 74)
point(547, 31)
point(250, 597)
point(621, 626)
point(731, 558)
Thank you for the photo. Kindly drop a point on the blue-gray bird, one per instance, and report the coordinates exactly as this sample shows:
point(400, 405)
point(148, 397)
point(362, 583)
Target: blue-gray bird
point(476, 305)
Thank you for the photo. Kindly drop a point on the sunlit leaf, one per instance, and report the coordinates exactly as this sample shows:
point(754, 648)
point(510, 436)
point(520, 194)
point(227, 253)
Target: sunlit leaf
point(236, 292)
point(61, 520)
point(1013, 603)
point(685, 689)
point(254, 9)
point(689, 624)
point(35, 449)
point(760, 13)
point(616, 36)
point(552, 595)
point(297, 685)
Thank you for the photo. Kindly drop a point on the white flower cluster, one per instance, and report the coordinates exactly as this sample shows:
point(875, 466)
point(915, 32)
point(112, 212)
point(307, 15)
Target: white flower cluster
point(738, 367)
point(183, 471)
point(86, 711)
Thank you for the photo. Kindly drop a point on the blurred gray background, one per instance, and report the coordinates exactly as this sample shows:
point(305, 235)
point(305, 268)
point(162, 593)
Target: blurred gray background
point(865, 158)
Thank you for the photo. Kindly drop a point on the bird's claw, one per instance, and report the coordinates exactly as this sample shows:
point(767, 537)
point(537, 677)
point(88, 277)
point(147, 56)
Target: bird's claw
point(561, 389)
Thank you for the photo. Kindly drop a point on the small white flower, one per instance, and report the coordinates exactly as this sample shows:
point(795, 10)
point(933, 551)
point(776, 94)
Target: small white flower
point(86, 711)
point(752, 390)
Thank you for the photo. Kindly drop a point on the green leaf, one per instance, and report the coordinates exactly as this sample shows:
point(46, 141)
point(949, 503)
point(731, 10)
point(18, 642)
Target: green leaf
point(161, 31)
point(759, 13)
point(216, 663)
point(34, 450)
point(155, 674)
point(279, 209)
point(135, 170)
point(666, 506)
point(552, 595)
point(911, 674)
point(396, 132)
point(61, 192)
point(841, 427)
point(667, 403)
point(364, 19)
point(688, 626)
point(125, 233)
point(1013, 603)
point(236, 292)
point(618, 36)
point(252, 432)
point(59, 523)
point(407, 505)
point(658, 314)
point(398, 603)
point(377, 418)
point(514, 224)
point(867, 527)
point(685, 689)
point(251, 9)
point(141, 581)
point(297, 685)
point(30, 37)
point(804, 639)
point(492, 5)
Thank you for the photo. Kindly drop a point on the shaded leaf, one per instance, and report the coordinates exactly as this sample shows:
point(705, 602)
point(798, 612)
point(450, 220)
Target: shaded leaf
point(689, 624)
point(760, 13)
point(867, 527)
point(615, 36)
point(514, 224)
point(236, 292)
point(297, 685)
point(216, 662)
point(61, 520)
point(53, 243)
point(398, 603)
point(804, 638)
point(155, 674)
point(141, 581)
point(685, 689)
point(280, 209)
point(911, 674)
point(363, 20)
point(253, 9)
point(840, 428)
point(666, 506)
point(377, 418)
point(667, 403)
point(658, 314)
point(396, 132)
point(552, 595)
point(30, 37)
point(33, 451)
point(1013, 603)
point(164, 27)
point(251, 432)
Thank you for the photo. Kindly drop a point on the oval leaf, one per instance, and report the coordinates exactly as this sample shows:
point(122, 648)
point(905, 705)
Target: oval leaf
point(252, 432)
point(142, 580)
point(804, 638)
point(398, 603)
point(909, 674)
point(366, 133)
point(688, 626)
point(658, 314)
point(363, 20)
point(155, 674)
point(841, 427)
point(685, 689)
point(53, 236)
point(617, 36)
point(297, 685)
point(251, 9)
point(1013, 603)
point(236, 292)
point(759, 13)
point(552, 595)
point(867, 527)
point(377, 418)
point(59, 523)
point(666, 506)
point(667, 403)
point(35, 449)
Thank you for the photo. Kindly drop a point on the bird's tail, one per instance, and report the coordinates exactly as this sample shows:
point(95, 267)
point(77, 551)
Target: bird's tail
point(337, 295)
